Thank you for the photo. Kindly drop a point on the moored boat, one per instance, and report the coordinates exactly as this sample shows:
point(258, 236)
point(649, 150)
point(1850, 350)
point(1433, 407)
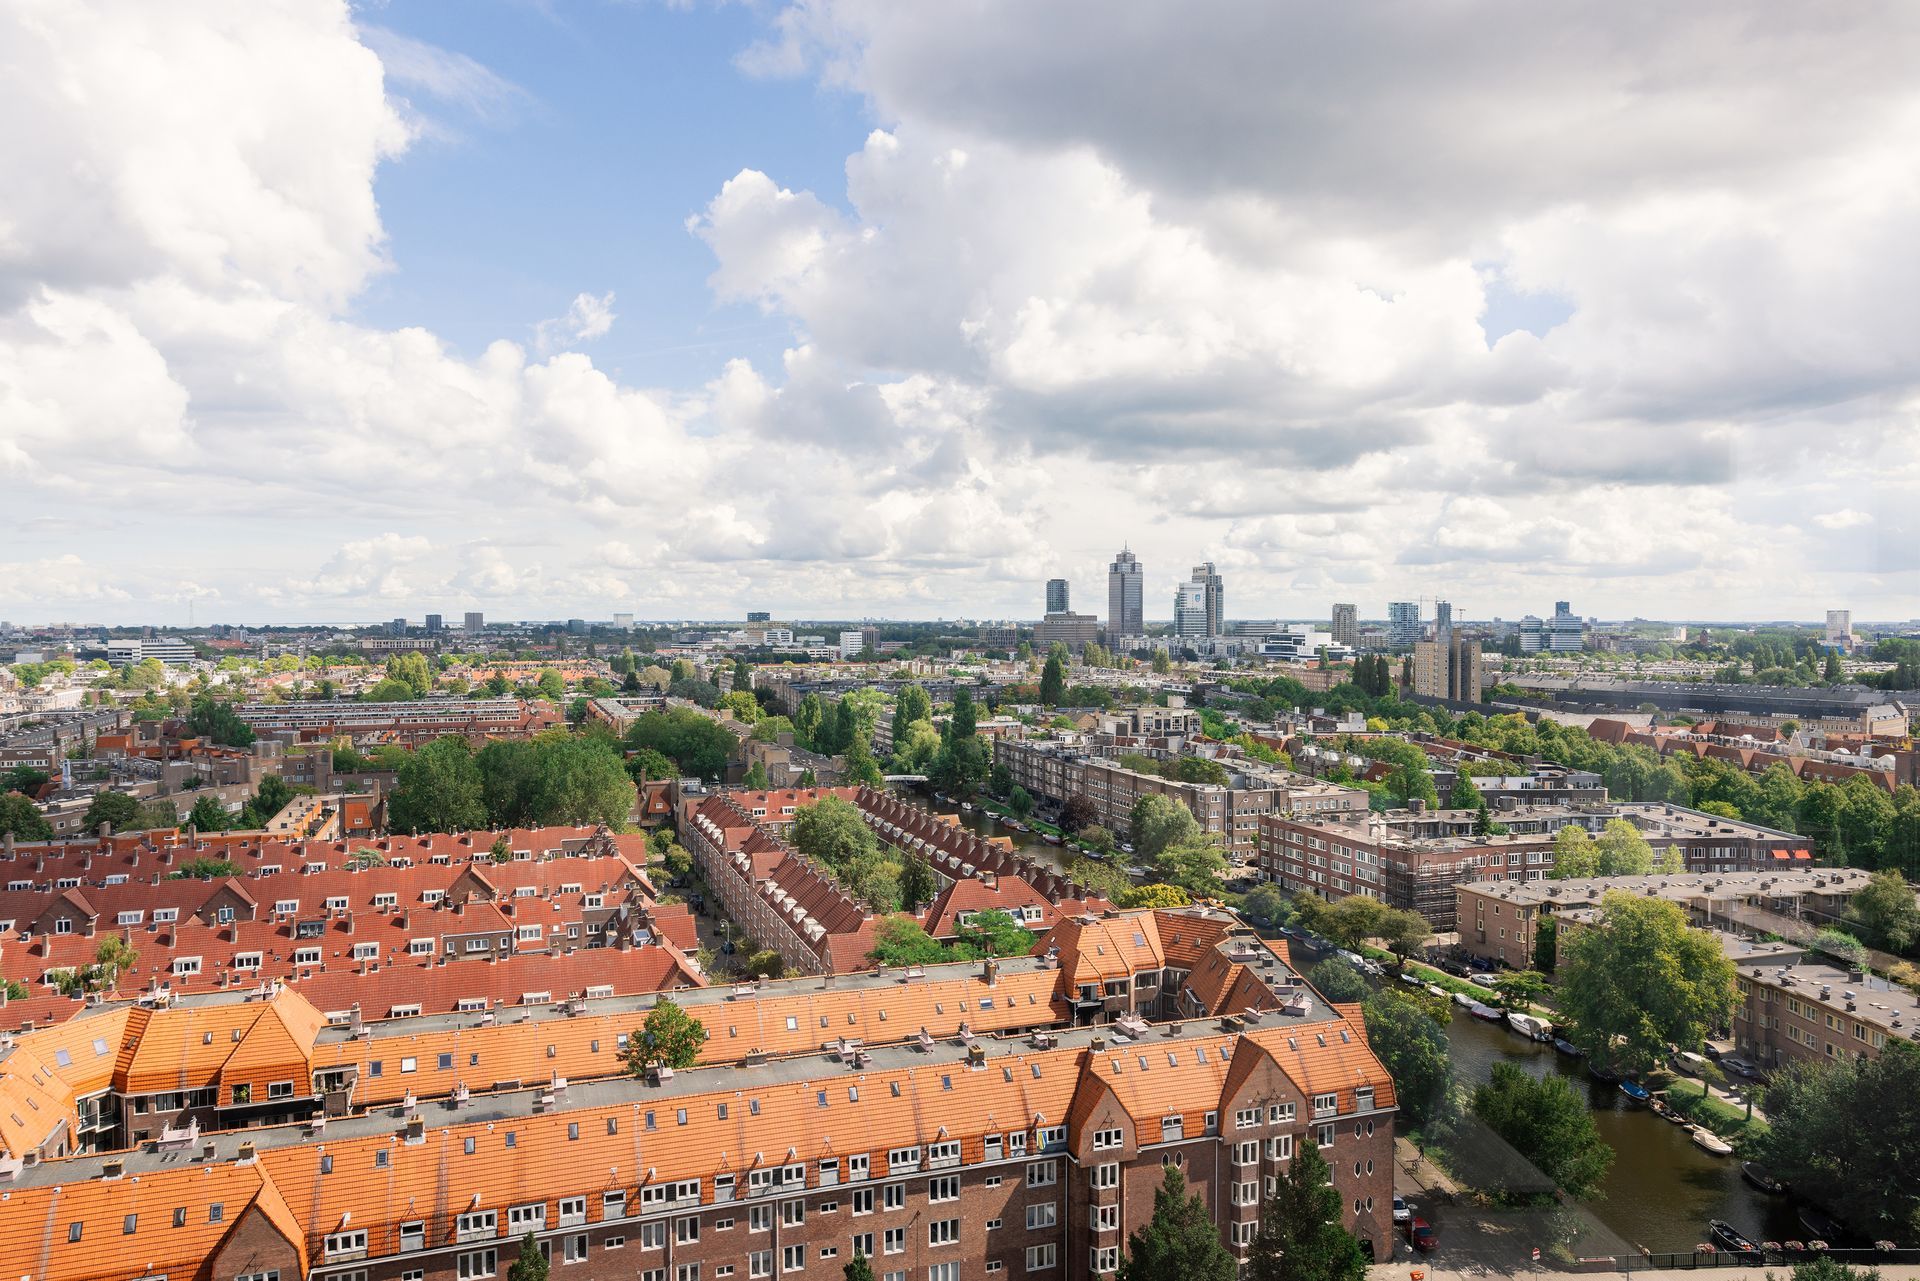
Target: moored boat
point(1707, 1141)
point(1534, 1029)
point(1482, 1011)
point(1822, 1225)
point(1051, 838)
point(1660, 1109)
point(1567, 1047)
point(1635, 1091)
point(1462, 1000)
point(1728, 1237)
point(1758, 1176)
point(1606, 1076)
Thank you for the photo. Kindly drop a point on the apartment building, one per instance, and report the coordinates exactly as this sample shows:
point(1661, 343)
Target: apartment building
point(409, 723)
point(1056, 771)
point(1795, 1009)
point(1499, 919)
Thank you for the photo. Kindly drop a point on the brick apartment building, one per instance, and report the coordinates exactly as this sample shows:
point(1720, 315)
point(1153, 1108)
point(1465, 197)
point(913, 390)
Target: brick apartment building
point(1795, 1009)
point(409, 724)
point(933, 1156)
point(1498, 919)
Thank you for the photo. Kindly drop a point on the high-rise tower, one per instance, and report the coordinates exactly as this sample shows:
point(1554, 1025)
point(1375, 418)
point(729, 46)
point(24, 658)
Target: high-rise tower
point(1126, 614)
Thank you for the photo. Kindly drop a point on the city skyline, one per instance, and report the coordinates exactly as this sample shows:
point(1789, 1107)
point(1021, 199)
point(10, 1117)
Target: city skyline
point(674, 301)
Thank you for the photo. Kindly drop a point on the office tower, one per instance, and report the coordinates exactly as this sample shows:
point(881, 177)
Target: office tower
point(434, 624)
point(1056, 595)
point(576, 627)
point(475, 621)
point(1075, 631)
point(1213, 598)
point(1448, 667)
point(623, 621)
point(1346, 626)
point(1403, 624)
point(1190, 609)
point(398, 627)
point(1564, 633)
point(1126, 613)
point(1442, 619)
point(1840, 628)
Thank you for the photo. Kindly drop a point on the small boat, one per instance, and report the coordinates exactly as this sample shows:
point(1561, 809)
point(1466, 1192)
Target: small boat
point(1707, 1141)
point(1534, 1029)
point(1757, 1175)
point(1637, 1093)
point(1606, 1076)
point(1462, 1000)
point(1487, 1012)
point(1660, 1109)
point(966, 807)
point(1016, 825)
point(1822, 1225)
point(1051, 838)
point(1567, 1047)
point(1728, 1237)
point(1674, 1116)
point(1434, 989)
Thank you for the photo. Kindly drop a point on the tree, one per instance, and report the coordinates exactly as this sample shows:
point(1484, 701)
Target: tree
point(874, 879)
point(899, 940)
point(744, 706)
point(1622, 850)
point(1465, 796)
point(219, 722)
point(1413, 1047)
point(1154, 896)
point(857, 1269)
point(1351, 920)
point(440, 789)
point(1545, 931)
point(116, 809)
point(21, 819)
point(204, 868)
point(1638, 979)
point(1195, 864)
point(1053, 681)
point(1161, 663)
point(1078, 813)
point(531, 1264)
point(114, 957)
point(208, 815)
point(1840, 945)
point(1180, 1242)
point(1338, 981)
point(1020, 802)
point(699, 746)
point(269, 798)
point(962, 723)
point(1103, 879)
point(756, 777)
point(1547, 1125)
point(389, 690)
point(859, 763)
point(918, 884)
point(501, 851)
point(1842, 1131)
point(668, 1037)
point(1156, 821)
point(1574, 853)
point(1266, 902)
point(910, 705)
point(1403, 932)
point(831, 831)
point(1885, 912)
point(995, 933)
point(1301, 1237)
point(1521, 988)
point(552, 685)
point(1097, 838)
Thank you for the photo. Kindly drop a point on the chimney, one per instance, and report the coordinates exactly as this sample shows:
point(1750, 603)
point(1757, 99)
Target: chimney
point(103, 830)
point(990, 971)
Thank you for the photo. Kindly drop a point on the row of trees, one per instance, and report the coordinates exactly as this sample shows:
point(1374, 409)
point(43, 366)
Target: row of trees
point(554, 778)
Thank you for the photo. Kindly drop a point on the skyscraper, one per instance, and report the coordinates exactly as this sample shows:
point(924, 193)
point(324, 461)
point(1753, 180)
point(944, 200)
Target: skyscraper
point(1564, 633)
point(1840, 628)
point(1346, 626)
point(1056, 595)
point(1448, 667)
point(1403, 623)
point(1126, 615)
point(1190, 608)
point(433, 624)
point(1442, 619)
point(475, 621)
point(1214, 597)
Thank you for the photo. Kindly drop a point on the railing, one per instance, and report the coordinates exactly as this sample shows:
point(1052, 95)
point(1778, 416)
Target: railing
point(1693, 1259)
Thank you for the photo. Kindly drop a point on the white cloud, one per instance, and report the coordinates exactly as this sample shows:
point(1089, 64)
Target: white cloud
point(1845, 518)
point(588, 318)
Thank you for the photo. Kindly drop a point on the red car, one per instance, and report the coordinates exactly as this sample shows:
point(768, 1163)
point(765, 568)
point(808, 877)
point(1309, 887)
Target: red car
point(1420, 1234)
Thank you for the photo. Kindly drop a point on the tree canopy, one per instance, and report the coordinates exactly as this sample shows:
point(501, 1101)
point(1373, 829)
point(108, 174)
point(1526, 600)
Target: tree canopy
point(1156, 821)
point(1301, 1237)
point(1843, 1132)
point(669, 1037)
point(1180, 1241)
point(439, 789)
point(1548, 1126)
point(1640, 978)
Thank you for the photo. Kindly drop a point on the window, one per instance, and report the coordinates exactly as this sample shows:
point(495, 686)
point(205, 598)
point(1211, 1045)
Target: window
point(1247, 1193)
point(574, 1249)
point(895, 1197)
point(341, 1244)
point(944, 1189)
point(613, 1204)
point(687, 1272)
point(413, 1235)
point(1243, 1233)
point(1246, 1153)
point(1325, 1104)
point(760, 1263)
point(1324, 1136)
point(857, 1167)
point(1246, 1118)
point(526, 1218)
point(760, 1218)
point(653, 1236)
point(477, 1263)
point(1104, 1259)
point(686, 1231)
point(1042, 1215)
point(942, 1154)
point(1106, 1139)
point(863, 1244)
point(476, 1225)
point(1042, 1257)
point(573, 1211)
point(894, 1241)
point(793, 1213)
point(793, 1258)
point(1280, 1147)
point(1102, 1218)
point(1279, 1112)
point(1107, 1175)
point(1042, 1174)
point(862, 1201)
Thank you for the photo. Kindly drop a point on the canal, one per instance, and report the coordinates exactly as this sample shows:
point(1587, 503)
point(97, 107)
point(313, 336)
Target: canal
point(1662, 1189)
point(981, 823)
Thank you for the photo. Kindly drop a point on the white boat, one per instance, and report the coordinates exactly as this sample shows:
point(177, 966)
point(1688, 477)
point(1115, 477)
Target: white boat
point(1534, 1029)
point(1462, 1000)
point(1434, 989)
point(1707, 1141)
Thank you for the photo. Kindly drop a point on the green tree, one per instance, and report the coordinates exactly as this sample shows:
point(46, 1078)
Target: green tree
point(1465, 796)
point(1078, 813)
point(918, 883)
point(116, 809)
point(1403, 932)
point(21, 819)
point(962, 723)
point(1885, 912)
point(899, 940)
point(270, 796)
point(1097, 838)
point(1019, 801)
point(859, 763)
point(531, 1263)
point(1156, 822)
point(1548, 1125)
point(857, 1269)
point(832, 832)
point(874, 879)
point(1053, 681)
point(1301, 1237)
point(389, 690)
point(668, 1037)
point(756, 777)
point(440, 789)
point(1338, 981)
point(1180, 1242)
point(1413, 1047)
point(1352, 920)
point(806, 722)
point(1195, 864)
point(699, 746)
point(501, 851)
point(1156, 895)
point(1574, 853)
point(1521, 988)
point(1161, 663)
point(412, 671)
point(204, 868)
point(1545, 956)
point(1842, 1132)
point(744, 706)
point(209, 815)
point(551, 684)
point(219, 722)
point(995, 933)
point(1622, 850)
point(1267, 902)
point(1640, 978)
point(1103, 879)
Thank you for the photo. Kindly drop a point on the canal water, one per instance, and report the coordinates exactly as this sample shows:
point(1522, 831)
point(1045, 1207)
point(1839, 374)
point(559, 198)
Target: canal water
point(1662, 1189)
point(983, 824)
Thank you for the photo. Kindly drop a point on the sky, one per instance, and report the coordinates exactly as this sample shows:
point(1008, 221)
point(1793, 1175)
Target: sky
point(325, 312)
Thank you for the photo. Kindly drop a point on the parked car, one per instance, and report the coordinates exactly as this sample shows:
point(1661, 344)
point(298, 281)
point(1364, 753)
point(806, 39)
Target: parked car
point(1481, 980)
point(1402, 1212)
point(1420, 1235)
point(1737, 1065)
